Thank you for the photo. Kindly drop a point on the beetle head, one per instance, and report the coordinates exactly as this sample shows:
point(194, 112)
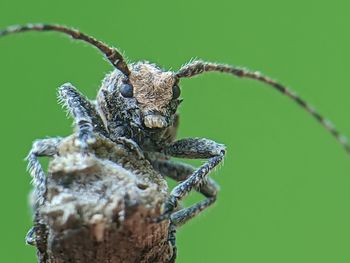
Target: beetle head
point(148, 96)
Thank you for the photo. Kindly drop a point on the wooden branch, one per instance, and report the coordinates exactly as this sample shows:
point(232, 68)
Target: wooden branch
point(99, 205)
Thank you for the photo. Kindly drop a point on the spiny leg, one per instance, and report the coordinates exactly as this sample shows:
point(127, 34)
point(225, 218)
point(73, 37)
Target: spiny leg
point(180, 217)
point(85, 116)
point(44, 147)
point(172, 241)
point(30, 238)
point(192, 148)
point(181, 171)
point(112, 54)
point(199, 67)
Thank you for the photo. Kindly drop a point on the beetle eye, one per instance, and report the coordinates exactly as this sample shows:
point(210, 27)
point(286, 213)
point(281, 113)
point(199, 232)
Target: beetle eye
point(176, 92)
point(126, 90)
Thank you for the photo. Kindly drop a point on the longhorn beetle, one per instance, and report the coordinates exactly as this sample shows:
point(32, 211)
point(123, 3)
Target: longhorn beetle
point(138, 101)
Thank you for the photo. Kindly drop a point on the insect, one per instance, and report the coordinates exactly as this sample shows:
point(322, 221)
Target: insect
point(139, 101)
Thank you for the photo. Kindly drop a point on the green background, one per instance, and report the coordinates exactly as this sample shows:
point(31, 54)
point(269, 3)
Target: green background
point(285, 184)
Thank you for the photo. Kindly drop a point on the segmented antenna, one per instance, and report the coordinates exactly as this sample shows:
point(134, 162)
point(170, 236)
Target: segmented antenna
point(199, 67)
point(112, 54)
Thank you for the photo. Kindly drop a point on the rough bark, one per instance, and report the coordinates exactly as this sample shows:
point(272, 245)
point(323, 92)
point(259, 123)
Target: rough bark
point(99, 205)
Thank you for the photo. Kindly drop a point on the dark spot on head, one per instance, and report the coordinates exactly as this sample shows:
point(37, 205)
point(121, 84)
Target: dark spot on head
point(127, 91)
point(176, 92)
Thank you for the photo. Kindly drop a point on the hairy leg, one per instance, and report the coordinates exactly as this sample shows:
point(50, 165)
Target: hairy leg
point(86, 118)
point(194, 148)
point(180, 217)
point(40, 148)
point(181, 171)
point(45, 147)
point(30, 237)
point(172, 241)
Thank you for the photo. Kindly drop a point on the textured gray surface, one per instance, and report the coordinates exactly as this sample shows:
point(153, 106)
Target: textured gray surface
point(98, 205)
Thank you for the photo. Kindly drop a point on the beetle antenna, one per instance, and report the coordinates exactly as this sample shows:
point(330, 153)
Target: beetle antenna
point(198, 67)
point(112, 54)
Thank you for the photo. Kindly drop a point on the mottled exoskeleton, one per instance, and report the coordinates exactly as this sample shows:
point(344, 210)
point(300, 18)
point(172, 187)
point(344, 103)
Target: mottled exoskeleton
point(138, 102)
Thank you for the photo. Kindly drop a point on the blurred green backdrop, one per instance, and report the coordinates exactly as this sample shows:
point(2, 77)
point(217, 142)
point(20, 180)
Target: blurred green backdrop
point(285, 185)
